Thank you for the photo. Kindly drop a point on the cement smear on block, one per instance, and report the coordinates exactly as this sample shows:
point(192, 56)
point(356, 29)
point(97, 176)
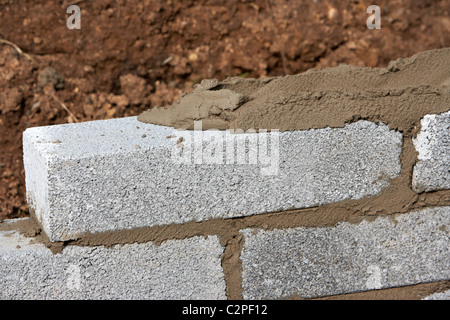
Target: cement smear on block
point(399, 95)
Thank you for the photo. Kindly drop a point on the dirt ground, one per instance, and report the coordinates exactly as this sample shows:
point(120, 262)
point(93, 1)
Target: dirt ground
point(132, 55)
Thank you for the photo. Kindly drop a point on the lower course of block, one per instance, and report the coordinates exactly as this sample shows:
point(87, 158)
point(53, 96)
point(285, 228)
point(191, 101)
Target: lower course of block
point(312, 262)
point(177, 269)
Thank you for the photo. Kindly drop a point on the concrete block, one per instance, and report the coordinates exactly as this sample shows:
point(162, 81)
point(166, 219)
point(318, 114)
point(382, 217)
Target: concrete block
point(177, 269)
point(123, 174)
point(432, 170)
point(314, 262)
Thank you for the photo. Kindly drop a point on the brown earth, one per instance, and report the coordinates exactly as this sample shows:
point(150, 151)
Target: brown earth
point(134, 55)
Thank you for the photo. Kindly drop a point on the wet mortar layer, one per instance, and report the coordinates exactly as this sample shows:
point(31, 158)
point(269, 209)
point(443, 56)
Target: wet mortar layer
point(399, 198)
point(398, 95)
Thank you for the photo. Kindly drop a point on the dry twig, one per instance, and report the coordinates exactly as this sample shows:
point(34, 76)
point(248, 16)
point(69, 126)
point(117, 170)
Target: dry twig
point(19, 51)
point(75, 119)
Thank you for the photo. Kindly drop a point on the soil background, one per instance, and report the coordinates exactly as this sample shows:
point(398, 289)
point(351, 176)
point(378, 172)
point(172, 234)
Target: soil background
point(132, 55)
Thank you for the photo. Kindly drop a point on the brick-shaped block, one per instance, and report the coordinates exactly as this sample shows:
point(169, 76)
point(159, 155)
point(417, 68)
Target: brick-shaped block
point(432, 170)
point(122, 174)
point(177, 269)
point(323, 261)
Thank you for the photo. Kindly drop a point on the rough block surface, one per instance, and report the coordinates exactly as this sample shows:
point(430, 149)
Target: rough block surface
point(432, 170)
point(122, 174)
point(177, 269)
point(313, 262)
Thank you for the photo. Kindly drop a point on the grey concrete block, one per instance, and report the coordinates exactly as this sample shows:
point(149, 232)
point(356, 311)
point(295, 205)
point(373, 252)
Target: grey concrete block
point(123, 174)
point(314, 262)
point(177, 269)
point(432, 170)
